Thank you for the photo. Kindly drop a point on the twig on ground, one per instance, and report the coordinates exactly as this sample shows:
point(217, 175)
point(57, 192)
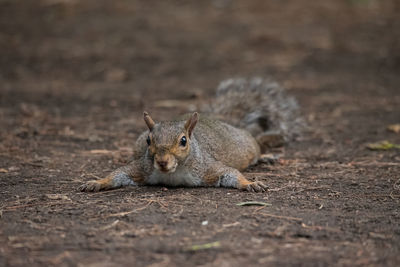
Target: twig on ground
point(319, 228)
point(12, 208)
point(373, 164)
point(110, 225)
point(216, 244)
point(120, 214)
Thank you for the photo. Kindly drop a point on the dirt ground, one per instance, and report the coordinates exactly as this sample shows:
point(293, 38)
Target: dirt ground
point(75, 77)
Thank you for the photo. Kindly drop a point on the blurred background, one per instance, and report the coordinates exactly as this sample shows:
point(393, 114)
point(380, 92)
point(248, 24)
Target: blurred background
point(153, 46)
point(110, 60)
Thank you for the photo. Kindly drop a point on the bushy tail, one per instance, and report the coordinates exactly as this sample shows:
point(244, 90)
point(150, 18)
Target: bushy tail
point(259, 106)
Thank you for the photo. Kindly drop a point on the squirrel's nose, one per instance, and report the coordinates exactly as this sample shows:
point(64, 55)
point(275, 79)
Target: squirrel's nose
point(162, 164)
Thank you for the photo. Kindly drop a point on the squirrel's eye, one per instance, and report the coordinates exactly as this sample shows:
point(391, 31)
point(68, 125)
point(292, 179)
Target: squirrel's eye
point(148, 140)
point(183, 141)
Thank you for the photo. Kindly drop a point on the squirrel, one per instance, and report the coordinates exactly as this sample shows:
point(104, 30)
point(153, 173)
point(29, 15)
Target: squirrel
point(253, 115)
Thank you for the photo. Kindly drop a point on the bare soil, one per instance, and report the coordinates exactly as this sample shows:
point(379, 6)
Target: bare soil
point(75, 77)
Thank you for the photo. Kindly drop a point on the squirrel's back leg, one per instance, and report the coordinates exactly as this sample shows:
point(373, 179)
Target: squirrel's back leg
point(126, 175)
point(221, 175)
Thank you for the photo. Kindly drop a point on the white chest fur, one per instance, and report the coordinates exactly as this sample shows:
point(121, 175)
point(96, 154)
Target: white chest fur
point(180, 177)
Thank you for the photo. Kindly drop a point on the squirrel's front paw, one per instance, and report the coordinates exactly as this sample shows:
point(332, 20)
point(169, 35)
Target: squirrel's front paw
point(91, 186)
point(256, 187)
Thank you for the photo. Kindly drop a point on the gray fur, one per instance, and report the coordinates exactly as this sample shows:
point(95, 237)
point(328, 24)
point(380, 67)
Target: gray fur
point(180, 177)
point(121, 179)
point(259, 106)
point(229, 180)
point(209, 144)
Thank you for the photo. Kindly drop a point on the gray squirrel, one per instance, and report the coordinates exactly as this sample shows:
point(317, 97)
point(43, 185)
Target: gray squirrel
point(253, 114)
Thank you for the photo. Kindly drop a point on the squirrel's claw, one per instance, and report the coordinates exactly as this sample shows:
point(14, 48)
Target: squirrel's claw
point(91, 186)
point(256, 187)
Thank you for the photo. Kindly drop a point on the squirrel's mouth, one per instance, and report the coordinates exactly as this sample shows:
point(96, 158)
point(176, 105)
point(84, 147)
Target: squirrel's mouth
point(166, 169)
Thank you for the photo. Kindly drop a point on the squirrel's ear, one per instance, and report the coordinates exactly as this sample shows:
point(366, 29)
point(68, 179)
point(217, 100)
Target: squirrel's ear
point(191, 122)
point(149, 121)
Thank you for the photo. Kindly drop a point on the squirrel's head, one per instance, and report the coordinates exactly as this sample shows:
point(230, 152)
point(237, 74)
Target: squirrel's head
point(169, 142)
